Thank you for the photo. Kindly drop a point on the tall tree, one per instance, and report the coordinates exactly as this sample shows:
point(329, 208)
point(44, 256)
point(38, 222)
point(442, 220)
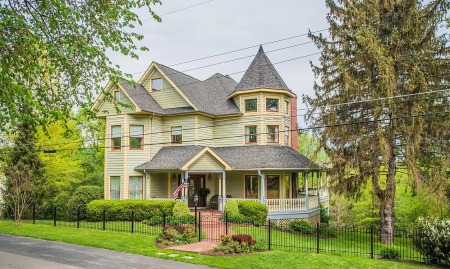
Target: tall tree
point(23, 171)
point(383, 49)
point(53, 54)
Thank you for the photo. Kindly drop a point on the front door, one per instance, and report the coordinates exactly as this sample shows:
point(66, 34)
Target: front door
point(196, 183)
point(273, 187)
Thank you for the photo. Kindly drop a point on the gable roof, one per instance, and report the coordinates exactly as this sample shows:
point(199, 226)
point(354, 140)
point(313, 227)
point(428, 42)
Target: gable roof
point(261, 75)
point(209, 96)
point(238, 158)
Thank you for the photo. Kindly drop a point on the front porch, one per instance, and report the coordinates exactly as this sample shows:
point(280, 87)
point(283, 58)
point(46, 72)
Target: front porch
point(292, 188)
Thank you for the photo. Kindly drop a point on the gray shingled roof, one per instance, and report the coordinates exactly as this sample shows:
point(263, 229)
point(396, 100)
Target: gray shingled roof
point(210, 95)
point(261, 74)
point(171, 158)
point(239, 157)
point(147, 103)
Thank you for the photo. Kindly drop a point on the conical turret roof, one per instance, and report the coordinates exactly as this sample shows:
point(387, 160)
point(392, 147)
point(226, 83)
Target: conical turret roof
point(261, 75)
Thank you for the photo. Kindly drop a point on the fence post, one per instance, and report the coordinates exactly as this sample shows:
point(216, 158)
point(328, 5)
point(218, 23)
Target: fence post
point(195, 220)
point(34, 214)
point(199, 227)
point(54, 216)
point(164, 219)
point(78, 217)
point(104, 219)
point(318, 236)
point(132, 221)
point(371, 241)
point(269, 234)
point(226, 223)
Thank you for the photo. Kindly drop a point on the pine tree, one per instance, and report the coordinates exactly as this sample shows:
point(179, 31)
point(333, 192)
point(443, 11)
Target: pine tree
point(383, 49)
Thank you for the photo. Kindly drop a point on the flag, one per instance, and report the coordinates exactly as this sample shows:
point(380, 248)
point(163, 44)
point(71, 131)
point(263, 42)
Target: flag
point(184, 184)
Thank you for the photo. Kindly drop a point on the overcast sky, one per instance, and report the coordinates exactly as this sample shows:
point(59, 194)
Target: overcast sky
point(224, 25)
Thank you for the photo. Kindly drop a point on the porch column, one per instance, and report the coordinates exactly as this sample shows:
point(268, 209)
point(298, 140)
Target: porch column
point(262, 188)
point(294, 184)
point(186, 176)
point(224, 195)
point(219, 202)
point(305, 178)
point(147, 185)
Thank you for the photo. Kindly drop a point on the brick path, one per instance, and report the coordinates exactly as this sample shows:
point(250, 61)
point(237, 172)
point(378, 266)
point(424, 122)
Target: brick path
point(212, 226)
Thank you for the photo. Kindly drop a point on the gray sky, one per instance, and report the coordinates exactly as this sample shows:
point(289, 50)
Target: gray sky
point(224, 25)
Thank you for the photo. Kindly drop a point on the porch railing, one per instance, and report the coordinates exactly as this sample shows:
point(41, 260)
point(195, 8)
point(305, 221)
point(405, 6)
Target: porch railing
point(242, 199)
point(324, 194)
point(286, 204)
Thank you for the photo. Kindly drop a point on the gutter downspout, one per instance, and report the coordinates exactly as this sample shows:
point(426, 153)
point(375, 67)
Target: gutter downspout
point(262, 190)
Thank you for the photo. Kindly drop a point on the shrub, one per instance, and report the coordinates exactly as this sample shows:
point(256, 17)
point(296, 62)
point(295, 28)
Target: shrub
point(389, 253)
point(243, 238)
point(257, 211)
point(231, 208)
point(180, 209)
point(122, 209)
point(301, 226)
point(177, 235)
point(80, 198)
point(433, 240)
point(155, 220)
point(260, 245)
point(228, 245)
point(172, 220)
point(324, 217)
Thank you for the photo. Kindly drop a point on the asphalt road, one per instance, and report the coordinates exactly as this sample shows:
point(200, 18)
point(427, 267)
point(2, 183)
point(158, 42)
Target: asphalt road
point(23, 253)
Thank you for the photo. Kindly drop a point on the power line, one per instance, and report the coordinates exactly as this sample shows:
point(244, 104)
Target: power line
point(178, 10)
point(228, 124)
point(282, 131)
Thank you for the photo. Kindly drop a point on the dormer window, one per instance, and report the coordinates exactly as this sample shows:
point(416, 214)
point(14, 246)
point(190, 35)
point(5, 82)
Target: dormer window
point(251, 105)
point(271, 105)
point(116, 97)
point(156, 84)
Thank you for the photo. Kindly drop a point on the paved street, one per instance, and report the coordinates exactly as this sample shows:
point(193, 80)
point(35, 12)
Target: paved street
point(23, 253)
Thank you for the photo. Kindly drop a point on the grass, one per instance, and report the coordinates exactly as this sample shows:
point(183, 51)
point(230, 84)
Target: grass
point(145, 245)
point(342, 241)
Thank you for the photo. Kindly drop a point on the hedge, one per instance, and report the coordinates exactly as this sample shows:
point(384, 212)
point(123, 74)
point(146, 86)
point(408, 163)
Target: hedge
point(122, 209)
point(254, 210)
point(82, 196)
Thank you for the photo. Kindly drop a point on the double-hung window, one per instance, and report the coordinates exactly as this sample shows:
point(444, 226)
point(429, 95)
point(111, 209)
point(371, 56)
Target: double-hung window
point(136, 136)
point(116, 138)
point(156, 84)
point(176, 135)
point(251, 105)
point(136, 187)
point(271, 105)
point(286, 107)
point(272, 133)
point(251, 186)
point(114, 188)
point(250, 134)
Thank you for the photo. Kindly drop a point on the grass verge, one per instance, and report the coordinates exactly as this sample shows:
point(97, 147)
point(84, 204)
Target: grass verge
point(145, 245)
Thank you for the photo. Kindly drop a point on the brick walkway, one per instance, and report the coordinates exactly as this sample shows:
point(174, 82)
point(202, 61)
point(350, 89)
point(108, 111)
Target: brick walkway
point(212, 226)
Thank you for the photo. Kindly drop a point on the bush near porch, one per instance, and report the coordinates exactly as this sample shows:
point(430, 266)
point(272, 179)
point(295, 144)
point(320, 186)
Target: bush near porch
point(122, 209)
point(246, 211)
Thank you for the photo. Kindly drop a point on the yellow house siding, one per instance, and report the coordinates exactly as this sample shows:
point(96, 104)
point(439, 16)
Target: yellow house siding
point(237, 101)
point(109, 109)
point(206, 162)
point(114, 159)
point(235, 185)
point(231, 132)
point(158, 136)
point(136, 157)
point(158, 185)
point(168, 97)
point(205, 132)
point(188, 129)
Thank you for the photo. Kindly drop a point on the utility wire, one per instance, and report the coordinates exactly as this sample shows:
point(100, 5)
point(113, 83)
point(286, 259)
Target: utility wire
point(178, 10)
point(282, 131)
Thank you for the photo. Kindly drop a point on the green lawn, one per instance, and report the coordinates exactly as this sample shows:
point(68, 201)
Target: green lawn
point(342, 241)
point(145, 245)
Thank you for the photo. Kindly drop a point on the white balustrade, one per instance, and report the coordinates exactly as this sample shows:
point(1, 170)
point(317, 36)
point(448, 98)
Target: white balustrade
point(286, 204)
point(242, 199)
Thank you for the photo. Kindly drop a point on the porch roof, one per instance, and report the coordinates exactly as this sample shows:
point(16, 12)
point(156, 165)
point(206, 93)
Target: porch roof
point(238, 158)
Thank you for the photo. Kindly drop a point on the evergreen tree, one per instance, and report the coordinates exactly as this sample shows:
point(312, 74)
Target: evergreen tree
point(383, 49)
point(24, 172)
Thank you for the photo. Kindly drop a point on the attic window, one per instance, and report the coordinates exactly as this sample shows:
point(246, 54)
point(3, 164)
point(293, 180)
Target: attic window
point(116, 97)
point(156, 84)
point(251, 105)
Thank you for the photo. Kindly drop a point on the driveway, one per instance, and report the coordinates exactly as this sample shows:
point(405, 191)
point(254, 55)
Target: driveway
point(23, 253)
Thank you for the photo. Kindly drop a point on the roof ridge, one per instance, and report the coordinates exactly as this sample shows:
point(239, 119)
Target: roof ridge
point(177, 71)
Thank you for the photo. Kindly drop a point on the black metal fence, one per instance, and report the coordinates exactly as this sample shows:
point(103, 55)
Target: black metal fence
point(211, 225)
